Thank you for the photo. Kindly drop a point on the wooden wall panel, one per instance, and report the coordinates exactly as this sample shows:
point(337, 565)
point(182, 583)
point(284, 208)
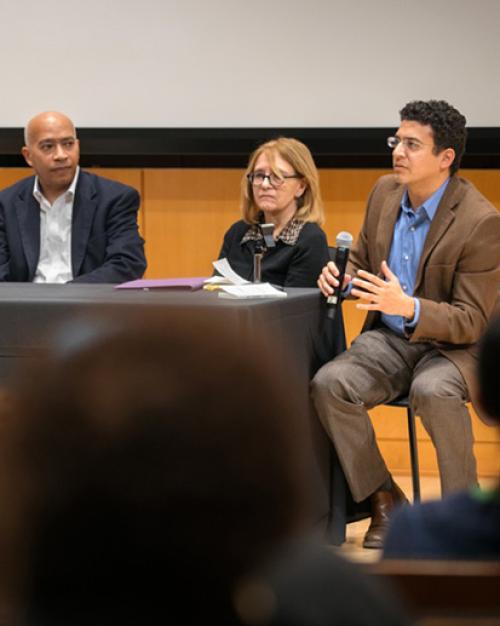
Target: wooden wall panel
point(10, 175)
point(397, 455)
point(185, 213)
point(390, 424)
point(188, 211)
point(344, 195)
point(487, 181)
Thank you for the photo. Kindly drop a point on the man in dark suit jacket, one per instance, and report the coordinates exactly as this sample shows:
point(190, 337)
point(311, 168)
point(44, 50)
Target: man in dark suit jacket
point(66, 225)
point(426, 269)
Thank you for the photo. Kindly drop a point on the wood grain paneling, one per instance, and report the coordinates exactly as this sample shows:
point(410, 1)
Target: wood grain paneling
point(390, 424)
point(185, 213)
point(10, 175)
point(487, 181)
point(397, 455)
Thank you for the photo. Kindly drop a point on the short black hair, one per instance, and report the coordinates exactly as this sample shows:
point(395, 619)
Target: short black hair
point(447, 123)
point(488, 370)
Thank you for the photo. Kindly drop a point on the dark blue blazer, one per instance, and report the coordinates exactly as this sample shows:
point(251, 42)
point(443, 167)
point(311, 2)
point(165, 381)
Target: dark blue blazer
point(105, 243)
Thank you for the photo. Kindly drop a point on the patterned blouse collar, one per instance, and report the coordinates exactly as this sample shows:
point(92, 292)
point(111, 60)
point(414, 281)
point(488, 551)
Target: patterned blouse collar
point(288, 235)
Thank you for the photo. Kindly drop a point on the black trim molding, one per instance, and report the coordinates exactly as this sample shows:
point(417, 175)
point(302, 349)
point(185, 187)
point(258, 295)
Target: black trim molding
point(230, 147)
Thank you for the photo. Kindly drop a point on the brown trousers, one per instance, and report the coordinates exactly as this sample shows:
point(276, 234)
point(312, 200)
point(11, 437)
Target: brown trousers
point(379, 367)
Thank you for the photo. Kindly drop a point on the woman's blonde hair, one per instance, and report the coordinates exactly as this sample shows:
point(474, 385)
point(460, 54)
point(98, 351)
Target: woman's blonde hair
point(310, 204)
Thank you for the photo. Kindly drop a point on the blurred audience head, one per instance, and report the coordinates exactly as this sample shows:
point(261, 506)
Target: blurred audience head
point(298, 160)
point(145, 467)
point(489, 353)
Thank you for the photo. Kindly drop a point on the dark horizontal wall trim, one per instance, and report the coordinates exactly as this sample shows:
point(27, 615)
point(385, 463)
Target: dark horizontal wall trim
point(230, 147)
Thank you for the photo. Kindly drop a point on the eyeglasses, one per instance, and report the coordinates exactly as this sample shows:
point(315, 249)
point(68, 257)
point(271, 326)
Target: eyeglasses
point(409, 144)
point(257, 178)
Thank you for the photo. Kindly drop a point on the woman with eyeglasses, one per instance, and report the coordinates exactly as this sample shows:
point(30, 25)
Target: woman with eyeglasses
point(280, 187)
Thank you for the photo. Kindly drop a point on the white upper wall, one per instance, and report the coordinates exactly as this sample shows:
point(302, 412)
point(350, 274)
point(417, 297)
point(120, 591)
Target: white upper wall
point(230, 63)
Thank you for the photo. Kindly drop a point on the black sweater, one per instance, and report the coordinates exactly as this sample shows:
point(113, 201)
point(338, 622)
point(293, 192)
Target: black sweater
point(297, 265)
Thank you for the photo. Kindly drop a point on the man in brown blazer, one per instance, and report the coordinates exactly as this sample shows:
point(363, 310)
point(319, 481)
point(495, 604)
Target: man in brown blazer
point(426, 268)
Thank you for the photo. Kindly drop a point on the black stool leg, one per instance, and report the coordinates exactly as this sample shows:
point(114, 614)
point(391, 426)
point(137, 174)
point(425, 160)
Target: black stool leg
point(412, 437)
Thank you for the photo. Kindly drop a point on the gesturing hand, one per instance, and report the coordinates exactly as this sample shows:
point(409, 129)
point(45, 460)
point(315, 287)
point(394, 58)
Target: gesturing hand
point(382, 295)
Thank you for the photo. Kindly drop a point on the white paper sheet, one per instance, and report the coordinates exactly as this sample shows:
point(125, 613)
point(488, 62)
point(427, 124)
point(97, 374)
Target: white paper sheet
point(251, 290)
point(227, 275)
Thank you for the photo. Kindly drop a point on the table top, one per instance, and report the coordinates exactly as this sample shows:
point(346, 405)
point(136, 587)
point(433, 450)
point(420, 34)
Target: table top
point(108, 294)
point(29, 312)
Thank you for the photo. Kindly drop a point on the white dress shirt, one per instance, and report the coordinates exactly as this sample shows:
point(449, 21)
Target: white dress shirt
point(54, 263)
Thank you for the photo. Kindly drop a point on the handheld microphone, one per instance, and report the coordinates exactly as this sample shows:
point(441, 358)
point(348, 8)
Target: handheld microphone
point(343, 244)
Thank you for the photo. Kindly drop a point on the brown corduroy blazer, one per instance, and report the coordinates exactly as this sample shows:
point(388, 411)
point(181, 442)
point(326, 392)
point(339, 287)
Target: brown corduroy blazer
point(458, 277)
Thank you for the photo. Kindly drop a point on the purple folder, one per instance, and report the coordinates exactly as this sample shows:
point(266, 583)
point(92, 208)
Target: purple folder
point(164, 283)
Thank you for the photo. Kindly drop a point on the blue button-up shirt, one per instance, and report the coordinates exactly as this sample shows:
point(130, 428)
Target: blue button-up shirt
point(410, 232)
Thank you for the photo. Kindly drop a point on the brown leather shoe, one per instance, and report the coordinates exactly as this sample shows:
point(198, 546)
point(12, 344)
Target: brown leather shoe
point(383, 504)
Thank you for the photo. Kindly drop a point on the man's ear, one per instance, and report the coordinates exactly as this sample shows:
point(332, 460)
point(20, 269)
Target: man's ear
point(447, 158)
point(25, 151)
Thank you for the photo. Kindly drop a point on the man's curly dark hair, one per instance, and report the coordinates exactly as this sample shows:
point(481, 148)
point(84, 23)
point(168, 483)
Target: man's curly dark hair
point(448, 125)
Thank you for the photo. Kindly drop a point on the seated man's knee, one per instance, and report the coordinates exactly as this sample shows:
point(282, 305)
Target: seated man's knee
point(421, 396)
point(428, 392)
point(329, 380)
